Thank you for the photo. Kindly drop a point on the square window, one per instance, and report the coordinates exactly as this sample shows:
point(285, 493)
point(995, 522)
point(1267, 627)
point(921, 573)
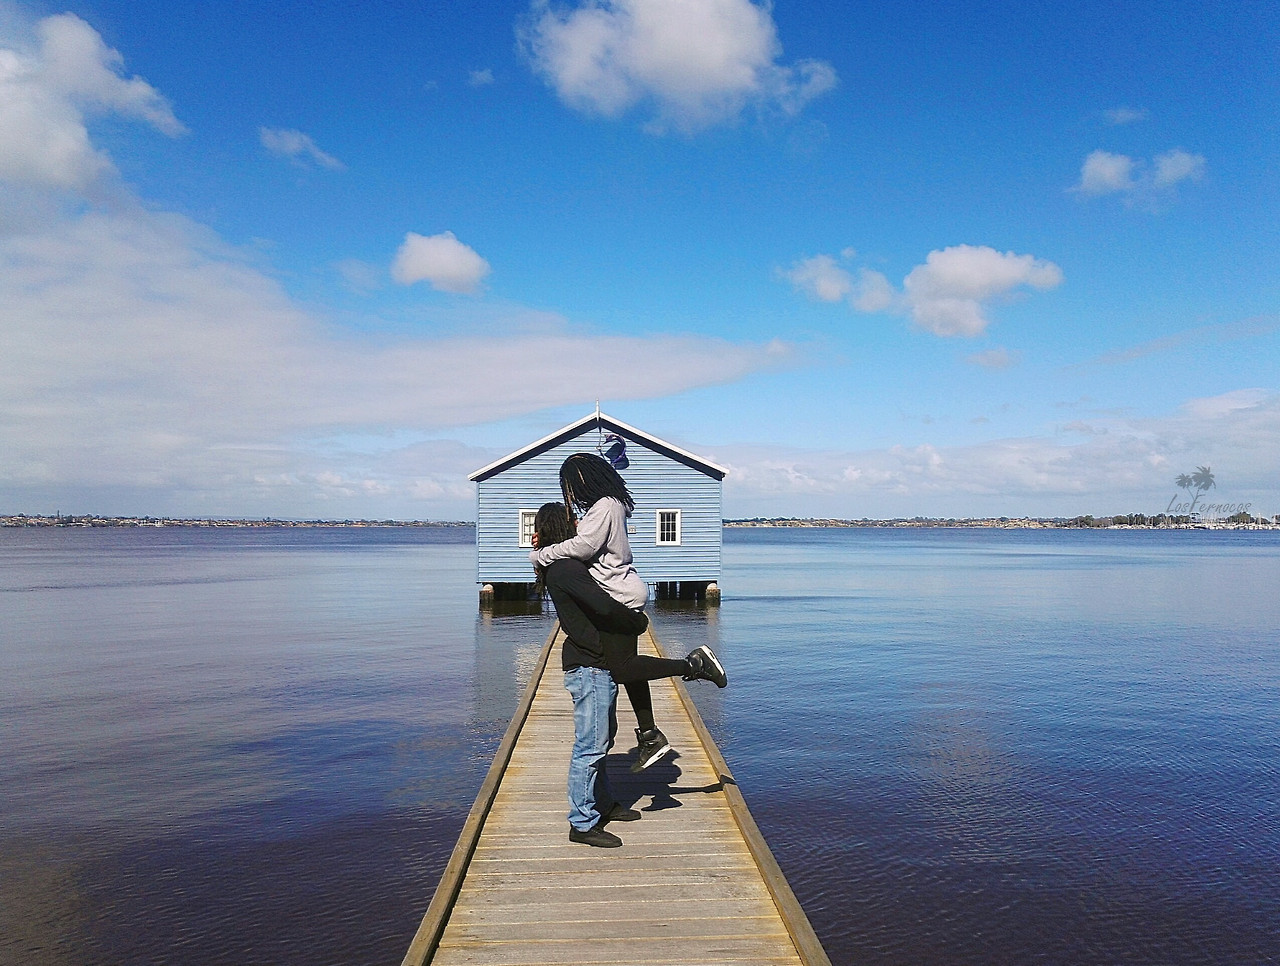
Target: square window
point(668, 531)
point(526, 527)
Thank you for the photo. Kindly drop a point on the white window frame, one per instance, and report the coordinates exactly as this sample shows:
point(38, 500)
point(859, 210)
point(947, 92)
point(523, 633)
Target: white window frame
point(521, 539)
point(657, 528)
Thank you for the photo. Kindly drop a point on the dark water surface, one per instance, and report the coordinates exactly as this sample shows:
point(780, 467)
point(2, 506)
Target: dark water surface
point(964, 746)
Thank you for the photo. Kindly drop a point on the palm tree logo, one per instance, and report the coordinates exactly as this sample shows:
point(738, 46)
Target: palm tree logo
point(1196, 484)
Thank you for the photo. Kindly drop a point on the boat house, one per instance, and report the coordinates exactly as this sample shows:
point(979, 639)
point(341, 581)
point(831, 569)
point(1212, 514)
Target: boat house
point(676, 531)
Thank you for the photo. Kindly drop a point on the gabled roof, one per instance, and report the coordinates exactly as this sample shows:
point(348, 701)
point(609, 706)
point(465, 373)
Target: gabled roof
point(600, 420)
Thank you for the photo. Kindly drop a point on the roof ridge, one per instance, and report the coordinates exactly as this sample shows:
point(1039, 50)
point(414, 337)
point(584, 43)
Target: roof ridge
point(601, 420)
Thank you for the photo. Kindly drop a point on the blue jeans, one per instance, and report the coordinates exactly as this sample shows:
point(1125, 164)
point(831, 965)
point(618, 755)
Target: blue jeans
point(595, 723)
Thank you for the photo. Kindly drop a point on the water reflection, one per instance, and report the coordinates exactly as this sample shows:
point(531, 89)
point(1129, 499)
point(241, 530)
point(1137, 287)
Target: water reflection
point(682, 625)
point(43, 913)
point(967, 778)
point(508, 639)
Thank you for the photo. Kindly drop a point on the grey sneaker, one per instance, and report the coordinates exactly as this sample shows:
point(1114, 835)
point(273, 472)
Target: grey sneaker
point(650, 747)
point(594, 836)
point(704, 666)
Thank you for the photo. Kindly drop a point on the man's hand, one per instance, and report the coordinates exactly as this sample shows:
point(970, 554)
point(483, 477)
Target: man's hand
point(535, 541)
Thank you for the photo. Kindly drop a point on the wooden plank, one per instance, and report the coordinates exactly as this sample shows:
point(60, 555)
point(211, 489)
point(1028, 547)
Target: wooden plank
point(658, 848)
point(575, 863)
point(606, 909)
point(568, 883)
point(560, 900)
point(593, 930)
point(717, 949)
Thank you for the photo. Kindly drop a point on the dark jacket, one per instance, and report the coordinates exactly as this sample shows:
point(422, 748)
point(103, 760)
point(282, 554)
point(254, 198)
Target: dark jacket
point(585, 610)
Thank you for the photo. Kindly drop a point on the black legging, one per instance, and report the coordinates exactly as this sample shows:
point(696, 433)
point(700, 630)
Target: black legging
point(634, 672)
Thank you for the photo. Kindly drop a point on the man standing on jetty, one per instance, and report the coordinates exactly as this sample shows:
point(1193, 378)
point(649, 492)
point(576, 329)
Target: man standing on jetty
point(584, 610)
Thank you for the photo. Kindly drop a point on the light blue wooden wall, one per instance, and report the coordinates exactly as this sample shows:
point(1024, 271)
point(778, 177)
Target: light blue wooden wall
point(655, 480)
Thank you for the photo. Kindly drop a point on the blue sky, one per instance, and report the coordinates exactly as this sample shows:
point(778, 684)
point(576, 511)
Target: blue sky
point(881, 259)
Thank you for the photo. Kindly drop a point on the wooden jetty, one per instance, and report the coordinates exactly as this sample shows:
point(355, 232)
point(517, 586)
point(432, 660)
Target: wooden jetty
point(693, 883)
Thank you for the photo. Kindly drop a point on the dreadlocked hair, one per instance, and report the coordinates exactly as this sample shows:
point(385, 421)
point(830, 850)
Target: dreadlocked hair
point(586, 478)
point(553, 524)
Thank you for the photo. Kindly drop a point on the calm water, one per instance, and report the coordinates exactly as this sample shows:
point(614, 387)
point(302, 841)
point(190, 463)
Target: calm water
point(257, 746)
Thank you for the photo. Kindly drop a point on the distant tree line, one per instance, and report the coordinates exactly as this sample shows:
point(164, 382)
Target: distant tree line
point(94, 520)
point(1085, 521)
point(1163, 520)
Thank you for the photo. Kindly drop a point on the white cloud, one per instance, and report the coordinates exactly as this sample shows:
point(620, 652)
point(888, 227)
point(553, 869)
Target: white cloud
point(441, 260)
point(1121, 466)
point(1218, 332)
point(1177, 165)
point(480, 78)
point(137, 351)
point(1239, 402)
point(873, 293)
point(1104, 173)
point(947, 295)
point(1119, 116)
point(46, 96)
point(997, 358)
point(696, 62)
point(820, 277)
point(297, 147)
point(359, 276)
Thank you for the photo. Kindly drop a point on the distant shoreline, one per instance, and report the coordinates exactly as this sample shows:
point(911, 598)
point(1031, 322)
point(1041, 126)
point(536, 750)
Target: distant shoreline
point(92, 520)
point(1014, 523)
point(1121, 522)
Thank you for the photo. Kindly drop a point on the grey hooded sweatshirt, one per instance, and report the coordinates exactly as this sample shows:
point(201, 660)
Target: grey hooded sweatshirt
point(602, 544)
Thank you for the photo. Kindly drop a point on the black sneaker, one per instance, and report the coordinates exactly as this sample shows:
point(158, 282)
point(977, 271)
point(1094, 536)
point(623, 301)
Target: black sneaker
point(618, 813)
point(704, 666)
point(650, 747)
point(595, 836)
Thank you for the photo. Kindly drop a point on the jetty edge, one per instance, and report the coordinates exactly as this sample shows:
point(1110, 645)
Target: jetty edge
point(647, 902)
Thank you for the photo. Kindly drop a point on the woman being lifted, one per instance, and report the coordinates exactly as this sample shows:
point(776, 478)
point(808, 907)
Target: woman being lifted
point(590, 484)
